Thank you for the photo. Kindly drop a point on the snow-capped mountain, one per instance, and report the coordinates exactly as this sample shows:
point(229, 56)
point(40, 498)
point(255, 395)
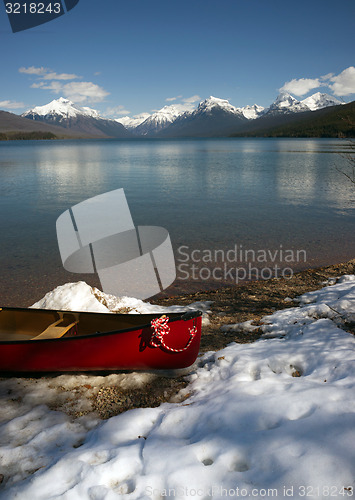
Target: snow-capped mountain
point(87, 121)
point(285, 103)
point(215, 103)
point(158, 121)
point(60, 109)
point(132, 122)
point(213, 117)
point(319, 101)
point(252, 112)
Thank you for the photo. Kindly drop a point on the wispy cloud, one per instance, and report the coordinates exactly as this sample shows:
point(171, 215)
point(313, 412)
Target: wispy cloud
point(184, 104)
point(344, 83)
point(55, 86)
point(60, 76)
point(11, 105)
point(326, 77)
point(301, 86)
point(48, 74)
point(116, 111)
point(83, 92)
point(32, 70)
point(77, 91)
point(171, 99)
point(192, 99)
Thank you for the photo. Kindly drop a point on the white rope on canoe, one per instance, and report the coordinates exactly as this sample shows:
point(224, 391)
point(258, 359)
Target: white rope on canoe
point(161, 328)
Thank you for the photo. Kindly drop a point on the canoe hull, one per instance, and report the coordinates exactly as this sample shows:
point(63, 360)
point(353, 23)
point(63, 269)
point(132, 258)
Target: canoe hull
point(114, 350)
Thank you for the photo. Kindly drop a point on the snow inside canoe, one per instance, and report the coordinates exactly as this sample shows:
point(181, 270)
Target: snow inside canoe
point(42, 340)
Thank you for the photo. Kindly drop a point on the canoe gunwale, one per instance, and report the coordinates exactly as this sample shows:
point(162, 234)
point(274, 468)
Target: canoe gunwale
point(183, 316)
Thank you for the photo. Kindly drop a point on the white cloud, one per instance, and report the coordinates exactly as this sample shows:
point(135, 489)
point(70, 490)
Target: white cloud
point(192, 99)
point(188, 103)
point(80, 92)
point(54, 86)
point(116, 111)
point(326, 77)
point(32, 70)
point(83, 92)
point(60, 76)
point(11, 105)
point(75, 91)
point(184, 107)
point(341, 85)
point(185, 104)
point(170, 99)
point(301, 86)
point(47, 74)
point(142, 116)
point(344, 83)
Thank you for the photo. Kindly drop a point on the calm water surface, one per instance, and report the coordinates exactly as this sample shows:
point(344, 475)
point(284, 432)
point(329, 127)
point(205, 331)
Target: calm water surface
point(209, 193)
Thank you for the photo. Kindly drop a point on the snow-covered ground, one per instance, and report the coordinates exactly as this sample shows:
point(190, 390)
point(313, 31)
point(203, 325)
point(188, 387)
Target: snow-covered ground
point(275, 418)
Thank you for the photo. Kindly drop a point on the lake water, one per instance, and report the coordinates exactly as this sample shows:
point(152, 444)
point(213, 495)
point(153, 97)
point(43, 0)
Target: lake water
point(236, 195)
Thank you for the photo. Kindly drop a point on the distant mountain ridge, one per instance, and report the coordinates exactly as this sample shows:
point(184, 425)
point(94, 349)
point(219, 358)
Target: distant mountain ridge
point(218, 117)
point(64, 113)
point(330, 121)
point(285, 103)
point(213, 117)
point(320, 101)
point(158, 121)
point(9, 122)
point(60, 110)
point(252, 112)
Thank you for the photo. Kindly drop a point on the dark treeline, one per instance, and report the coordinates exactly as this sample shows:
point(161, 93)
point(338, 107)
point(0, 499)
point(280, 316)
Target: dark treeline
point(338, 123)
point(22, 136)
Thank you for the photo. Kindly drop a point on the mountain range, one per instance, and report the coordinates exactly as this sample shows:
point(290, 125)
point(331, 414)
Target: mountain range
point(213, 117)
point(218, 117)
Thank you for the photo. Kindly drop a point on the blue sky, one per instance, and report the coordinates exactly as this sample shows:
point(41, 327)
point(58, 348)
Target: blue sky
point(137, 56)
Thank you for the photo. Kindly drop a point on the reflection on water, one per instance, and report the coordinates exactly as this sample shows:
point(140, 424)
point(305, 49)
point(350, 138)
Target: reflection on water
point(213, 193)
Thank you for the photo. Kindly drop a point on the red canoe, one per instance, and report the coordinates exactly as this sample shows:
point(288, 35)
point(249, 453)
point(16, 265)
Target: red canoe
point(42, 340)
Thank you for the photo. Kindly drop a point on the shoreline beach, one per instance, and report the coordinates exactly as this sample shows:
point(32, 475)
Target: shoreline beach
point(247, 302)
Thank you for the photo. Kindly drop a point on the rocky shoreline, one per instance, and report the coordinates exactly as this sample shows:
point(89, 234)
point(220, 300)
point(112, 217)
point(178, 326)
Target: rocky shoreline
point(103, 396)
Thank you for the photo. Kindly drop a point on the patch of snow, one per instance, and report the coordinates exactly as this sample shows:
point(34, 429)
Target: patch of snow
point(82, 297)
point(244, 327)
point(72, 297)
point(277, 414)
